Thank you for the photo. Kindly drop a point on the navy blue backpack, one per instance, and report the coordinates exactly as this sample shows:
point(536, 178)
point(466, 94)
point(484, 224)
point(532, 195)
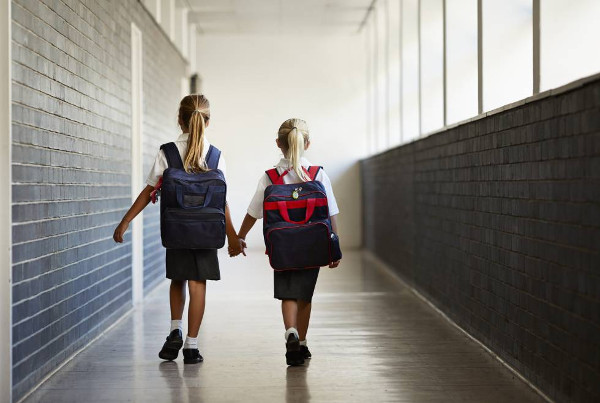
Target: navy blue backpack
point(192, 205)
point(296, 223)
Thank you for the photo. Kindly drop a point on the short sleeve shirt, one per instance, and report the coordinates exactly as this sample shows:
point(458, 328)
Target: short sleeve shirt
point(160, 162)
point(256, 204)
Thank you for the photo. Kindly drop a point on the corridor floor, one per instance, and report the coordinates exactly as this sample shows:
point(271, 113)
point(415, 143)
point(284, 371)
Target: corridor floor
point(372, 341)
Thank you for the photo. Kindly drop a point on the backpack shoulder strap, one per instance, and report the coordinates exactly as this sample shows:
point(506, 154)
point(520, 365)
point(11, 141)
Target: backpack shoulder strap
point(274, 176)
point(172, 154)
point(313, 171)
point(212, 157)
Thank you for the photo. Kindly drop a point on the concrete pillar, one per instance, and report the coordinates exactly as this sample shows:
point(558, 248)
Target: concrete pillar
point(192, 48)
point(137, 178)
point(181, 30)
point(168, 17)
point(155, 9)
point(5, 204)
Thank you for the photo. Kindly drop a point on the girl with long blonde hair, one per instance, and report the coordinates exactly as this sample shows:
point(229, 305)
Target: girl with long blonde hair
point(191, 266)
point(293, 287)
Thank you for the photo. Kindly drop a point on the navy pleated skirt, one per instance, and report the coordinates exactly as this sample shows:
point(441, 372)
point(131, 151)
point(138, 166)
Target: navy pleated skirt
point(193, 264)
point(295, 284)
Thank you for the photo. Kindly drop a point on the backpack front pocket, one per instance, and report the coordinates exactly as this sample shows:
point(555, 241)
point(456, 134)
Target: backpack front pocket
point(202, 228)
point(298, 247)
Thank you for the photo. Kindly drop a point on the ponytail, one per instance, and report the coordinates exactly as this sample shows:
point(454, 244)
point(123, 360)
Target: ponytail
point(293, 133)
point(295, 151)
point(193, 159)
point(194, 113)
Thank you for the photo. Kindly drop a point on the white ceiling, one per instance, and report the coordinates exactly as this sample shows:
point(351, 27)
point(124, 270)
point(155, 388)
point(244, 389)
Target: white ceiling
point(278, 16)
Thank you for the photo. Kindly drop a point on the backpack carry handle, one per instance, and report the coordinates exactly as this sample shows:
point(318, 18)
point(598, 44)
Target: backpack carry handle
point(207, 196)
point(310, 209)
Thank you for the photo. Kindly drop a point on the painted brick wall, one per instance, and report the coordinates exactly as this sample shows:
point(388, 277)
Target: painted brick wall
point(71, 170)
point(497, 221)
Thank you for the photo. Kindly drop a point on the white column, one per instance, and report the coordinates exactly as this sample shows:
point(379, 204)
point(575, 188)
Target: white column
point(410, 70)
point(395, 78)
point(479, 56)
point(382, 76)
point(168, 17)
point(369, 82)
point(5, 205)
point(137, 225)
point(192, 49)
point(536, 46)
point(181, 30)
point(375, 106)
point(419, 61)
point(155, 9)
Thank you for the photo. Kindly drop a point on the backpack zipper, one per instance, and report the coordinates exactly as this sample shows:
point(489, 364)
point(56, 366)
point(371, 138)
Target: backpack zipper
point(299, 226)
point(199, 215)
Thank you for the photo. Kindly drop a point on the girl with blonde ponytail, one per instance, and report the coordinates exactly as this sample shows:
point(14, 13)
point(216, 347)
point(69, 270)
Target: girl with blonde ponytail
point(191, 266)
point(295, 138)
point(293, 287)
point(196, 111)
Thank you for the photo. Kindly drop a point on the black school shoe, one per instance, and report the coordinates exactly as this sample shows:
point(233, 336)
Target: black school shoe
point(305, 352)
point(192, 356)
point(293, 355)
point(170, 349)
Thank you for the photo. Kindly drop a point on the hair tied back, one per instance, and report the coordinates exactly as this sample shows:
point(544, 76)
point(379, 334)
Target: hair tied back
point(293, 143)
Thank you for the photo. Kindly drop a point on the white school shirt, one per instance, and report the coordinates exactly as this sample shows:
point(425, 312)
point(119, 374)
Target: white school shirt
point(160, 162)
point(256, 204)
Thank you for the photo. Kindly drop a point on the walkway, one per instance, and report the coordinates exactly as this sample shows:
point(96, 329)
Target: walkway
point(371, 338)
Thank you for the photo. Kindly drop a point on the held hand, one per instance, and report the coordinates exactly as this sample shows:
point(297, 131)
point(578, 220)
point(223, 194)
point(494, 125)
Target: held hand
point(120, 231)
point(243, 245)
point(335, 264)
point(234, 247)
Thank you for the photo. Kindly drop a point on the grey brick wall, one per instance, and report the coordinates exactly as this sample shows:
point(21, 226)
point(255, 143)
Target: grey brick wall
point(71, 170)
point(497, 221)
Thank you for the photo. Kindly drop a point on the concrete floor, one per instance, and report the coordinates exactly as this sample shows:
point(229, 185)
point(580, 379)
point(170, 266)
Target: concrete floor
point(372, 341)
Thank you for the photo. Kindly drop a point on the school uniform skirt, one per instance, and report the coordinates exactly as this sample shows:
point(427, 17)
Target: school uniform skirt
point(193, 264)
point(295, 284)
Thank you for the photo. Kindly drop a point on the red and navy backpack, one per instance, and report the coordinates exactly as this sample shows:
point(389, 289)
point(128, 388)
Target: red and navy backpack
point(296, 223)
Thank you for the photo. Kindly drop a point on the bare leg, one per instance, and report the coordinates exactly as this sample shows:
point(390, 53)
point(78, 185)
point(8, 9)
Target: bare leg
point(289, 310)
point(196, 308)
point(303, 318)
point(177, 299)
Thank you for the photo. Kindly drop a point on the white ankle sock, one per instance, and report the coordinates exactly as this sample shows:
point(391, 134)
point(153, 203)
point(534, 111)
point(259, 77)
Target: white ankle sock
point(290, 331)
point(191, 342)
point(176, 324)
point(303, 343)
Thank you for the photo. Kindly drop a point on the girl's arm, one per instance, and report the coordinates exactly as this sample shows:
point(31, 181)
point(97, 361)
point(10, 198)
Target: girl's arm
point(233, 241)
point(334, 223)
point(138, 205)
point(247, 225)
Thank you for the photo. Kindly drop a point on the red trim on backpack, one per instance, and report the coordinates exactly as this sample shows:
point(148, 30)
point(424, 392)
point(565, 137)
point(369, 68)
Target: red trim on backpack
point(154, 194)
point(274, 176)
point(310, 209)
point(277, 179)
point(294, 204)
point(313, 171)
